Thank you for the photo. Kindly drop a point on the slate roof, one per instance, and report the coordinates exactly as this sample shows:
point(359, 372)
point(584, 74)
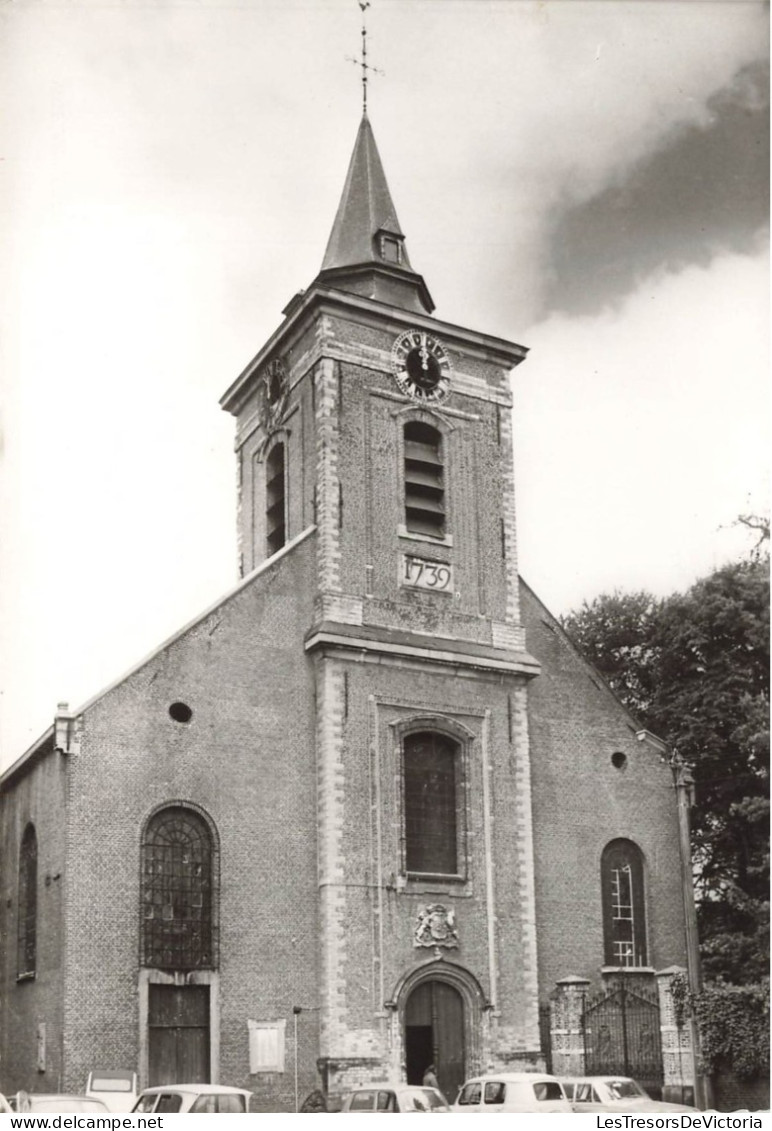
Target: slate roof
point(365, 208)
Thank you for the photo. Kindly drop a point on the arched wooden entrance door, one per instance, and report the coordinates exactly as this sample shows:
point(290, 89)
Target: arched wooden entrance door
point(434, 1034)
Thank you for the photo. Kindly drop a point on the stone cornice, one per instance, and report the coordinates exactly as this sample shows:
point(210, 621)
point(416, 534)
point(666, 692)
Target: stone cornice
point(410, 646)
point(324, 300)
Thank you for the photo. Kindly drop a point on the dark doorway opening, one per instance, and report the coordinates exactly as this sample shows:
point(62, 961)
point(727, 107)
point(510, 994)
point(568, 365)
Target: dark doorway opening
point(434, 1034)
point(178, 1025)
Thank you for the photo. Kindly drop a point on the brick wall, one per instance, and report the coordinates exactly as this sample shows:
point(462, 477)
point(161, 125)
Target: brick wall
point(246, 758)
point(36, 794)
point(581, 801)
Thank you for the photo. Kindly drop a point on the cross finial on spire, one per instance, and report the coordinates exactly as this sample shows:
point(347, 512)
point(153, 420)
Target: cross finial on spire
point(362, 62)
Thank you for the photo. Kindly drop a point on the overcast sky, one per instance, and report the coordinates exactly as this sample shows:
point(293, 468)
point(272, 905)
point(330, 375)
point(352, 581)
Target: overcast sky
point(588, 179)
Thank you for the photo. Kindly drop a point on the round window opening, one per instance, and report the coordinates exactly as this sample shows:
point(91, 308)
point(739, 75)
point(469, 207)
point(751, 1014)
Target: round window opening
point(619, 760)
point(181, 712)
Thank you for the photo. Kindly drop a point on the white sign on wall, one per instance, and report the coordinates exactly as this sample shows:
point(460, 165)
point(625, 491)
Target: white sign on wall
point(266, 1046)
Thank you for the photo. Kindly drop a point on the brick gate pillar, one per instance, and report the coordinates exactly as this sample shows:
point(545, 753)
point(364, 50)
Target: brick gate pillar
point(566, 1031)
point(677, 1049)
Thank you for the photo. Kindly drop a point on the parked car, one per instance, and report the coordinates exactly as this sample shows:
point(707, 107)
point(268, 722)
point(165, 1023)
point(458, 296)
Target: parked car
point(210, 1098)
point(613, 1093)
point(117, 1089)
point(43, 1103)
point(511, 1091)
point(396, 1098)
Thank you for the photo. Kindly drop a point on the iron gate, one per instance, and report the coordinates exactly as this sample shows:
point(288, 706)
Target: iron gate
point(622, 1037)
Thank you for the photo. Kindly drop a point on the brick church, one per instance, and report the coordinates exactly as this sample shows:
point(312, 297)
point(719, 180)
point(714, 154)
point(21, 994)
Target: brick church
point(371, 810)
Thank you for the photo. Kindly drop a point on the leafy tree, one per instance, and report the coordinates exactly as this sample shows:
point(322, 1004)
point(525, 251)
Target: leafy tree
point(694, 667)
point(615, 633)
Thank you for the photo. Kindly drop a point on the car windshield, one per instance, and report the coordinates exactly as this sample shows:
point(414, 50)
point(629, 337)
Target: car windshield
point(145, 1103)
point(624, 1089)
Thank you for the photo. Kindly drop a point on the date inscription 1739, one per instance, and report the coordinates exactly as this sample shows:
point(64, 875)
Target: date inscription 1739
point(421, 574)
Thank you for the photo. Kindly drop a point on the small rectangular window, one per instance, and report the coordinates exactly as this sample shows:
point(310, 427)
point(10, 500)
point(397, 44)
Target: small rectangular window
point(495, 1092)
point(363, 1101)
point(391, 250)
point(470, 1095)
point(547, 1090)
point(233, 1105)
point(168, 1103)
point(206, 1104)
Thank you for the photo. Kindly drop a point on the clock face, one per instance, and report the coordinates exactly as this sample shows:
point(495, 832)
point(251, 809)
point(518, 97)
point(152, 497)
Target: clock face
point(421, 366)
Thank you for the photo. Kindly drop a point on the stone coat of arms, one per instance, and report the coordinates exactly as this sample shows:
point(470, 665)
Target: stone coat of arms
point(435, 926)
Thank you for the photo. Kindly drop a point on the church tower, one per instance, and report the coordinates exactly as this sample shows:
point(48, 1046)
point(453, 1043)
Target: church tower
point(313, 838)
point(385, 435)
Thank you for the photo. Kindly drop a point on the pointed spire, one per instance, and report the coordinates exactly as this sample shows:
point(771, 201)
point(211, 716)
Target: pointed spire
point(366, 252)
point(365, 208)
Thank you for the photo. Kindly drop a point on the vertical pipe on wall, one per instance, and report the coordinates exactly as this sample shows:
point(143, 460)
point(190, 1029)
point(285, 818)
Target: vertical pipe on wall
point(490, 910)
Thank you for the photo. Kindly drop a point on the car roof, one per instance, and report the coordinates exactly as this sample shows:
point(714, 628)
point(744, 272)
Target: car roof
point(199, 1089)
point(388, 1085)
point(62, 1096)
point(582, 1079)
point(512, 1077)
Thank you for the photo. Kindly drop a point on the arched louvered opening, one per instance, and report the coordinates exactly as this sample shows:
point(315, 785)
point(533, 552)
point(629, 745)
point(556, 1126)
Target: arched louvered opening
point(275, 520)
point(424, 480)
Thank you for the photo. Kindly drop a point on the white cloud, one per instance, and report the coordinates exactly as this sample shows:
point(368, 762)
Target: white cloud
point(640, 434)
point(170, 178)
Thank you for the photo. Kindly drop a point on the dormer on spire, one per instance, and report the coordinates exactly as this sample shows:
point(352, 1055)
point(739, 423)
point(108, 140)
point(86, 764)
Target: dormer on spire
point(366, 253)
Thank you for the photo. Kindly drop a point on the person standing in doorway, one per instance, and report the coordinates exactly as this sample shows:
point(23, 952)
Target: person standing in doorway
point(430, 1077)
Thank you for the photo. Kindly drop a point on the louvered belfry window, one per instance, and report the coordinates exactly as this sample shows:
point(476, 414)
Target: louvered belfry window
point(624, 911)
point(177, 858)
point(276, 534)
point(430, 797)
point(424, 480)
point(27, 928)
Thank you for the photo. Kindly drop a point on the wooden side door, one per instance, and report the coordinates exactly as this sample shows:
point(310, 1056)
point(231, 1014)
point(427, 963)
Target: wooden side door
point(178, 1022)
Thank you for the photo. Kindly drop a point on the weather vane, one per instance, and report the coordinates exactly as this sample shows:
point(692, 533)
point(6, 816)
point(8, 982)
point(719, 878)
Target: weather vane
point(364, 5)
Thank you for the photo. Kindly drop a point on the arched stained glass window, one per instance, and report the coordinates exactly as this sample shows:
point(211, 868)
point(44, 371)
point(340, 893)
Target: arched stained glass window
point(27, 929)
point(624, 909)
point(430, 767)
point(177, 890)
